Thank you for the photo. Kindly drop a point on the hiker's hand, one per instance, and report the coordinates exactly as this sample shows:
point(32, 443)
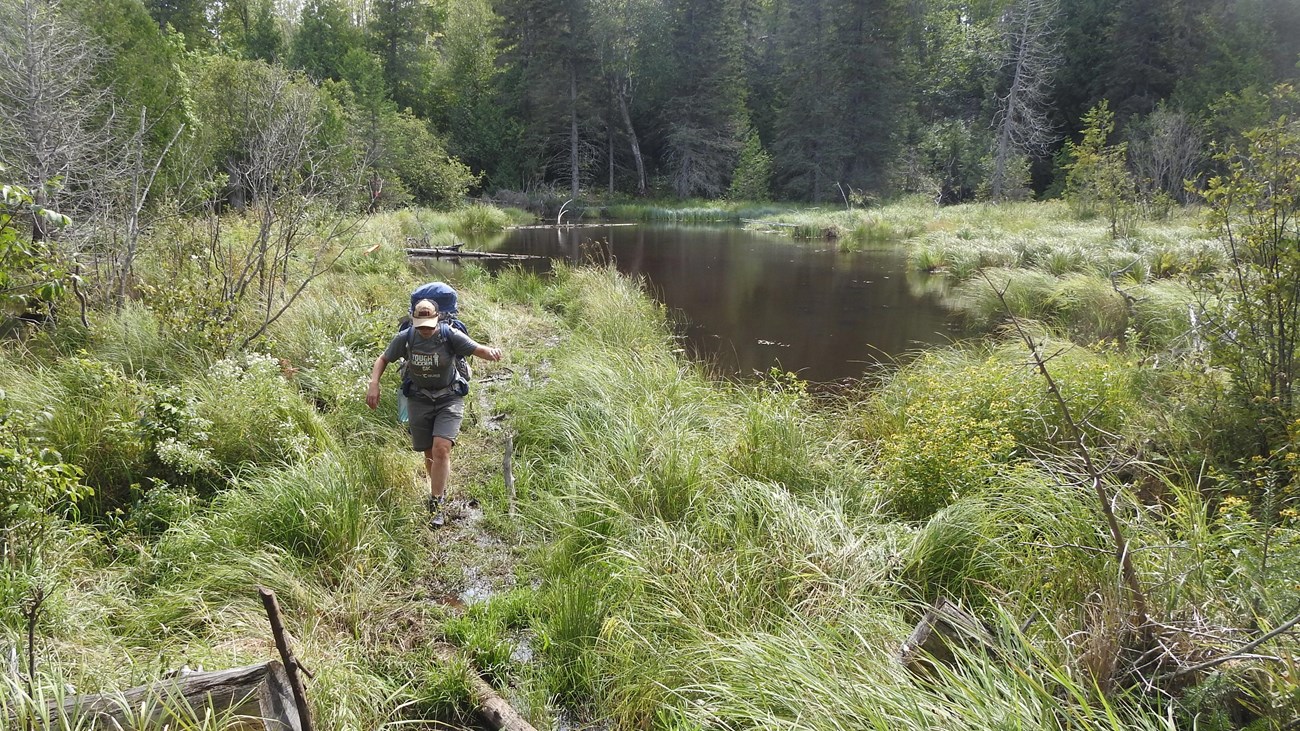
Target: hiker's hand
point(488, 353)
point(372, 394)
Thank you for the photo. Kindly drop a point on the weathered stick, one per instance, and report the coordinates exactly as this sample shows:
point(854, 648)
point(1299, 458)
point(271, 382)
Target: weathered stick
point(945, 624)
point(291, 665)
point(454, 253)
point(508, 472)
point(491, 707)
point(1240, 651)
point(570, 225)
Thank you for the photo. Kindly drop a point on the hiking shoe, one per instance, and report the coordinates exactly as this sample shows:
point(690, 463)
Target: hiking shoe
point(437, 513)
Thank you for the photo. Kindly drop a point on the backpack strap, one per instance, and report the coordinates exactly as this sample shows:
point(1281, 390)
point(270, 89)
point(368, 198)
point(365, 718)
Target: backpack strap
point(406, 364)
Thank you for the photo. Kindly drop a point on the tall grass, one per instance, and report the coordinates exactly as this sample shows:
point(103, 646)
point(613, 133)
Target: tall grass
point(731, 556)
point(691, 211)
point(220, 472)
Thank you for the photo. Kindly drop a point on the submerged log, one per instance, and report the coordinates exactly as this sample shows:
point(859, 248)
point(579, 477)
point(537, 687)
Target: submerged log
point(258, 697)
point(451, 252)
point(491, 707)
point(944, 626)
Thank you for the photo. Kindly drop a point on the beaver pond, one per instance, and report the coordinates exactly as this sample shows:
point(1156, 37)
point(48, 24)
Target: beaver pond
point(748, 301)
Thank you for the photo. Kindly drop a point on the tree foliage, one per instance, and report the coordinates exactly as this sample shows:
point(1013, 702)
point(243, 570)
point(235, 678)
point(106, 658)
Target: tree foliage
point(752, 180)
point(31, 271)
point(1097, 176)
point(1255, 207)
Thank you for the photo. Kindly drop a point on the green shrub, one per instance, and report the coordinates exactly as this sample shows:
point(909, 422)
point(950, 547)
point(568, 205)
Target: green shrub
point(257, 416)
point(951, 423)
point(35, 481)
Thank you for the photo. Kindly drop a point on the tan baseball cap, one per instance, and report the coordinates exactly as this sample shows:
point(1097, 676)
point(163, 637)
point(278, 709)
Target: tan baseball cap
point(425, 314)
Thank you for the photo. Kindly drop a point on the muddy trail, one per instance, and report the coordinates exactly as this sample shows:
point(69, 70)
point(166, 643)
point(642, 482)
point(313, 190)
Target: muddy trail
point(481, 552)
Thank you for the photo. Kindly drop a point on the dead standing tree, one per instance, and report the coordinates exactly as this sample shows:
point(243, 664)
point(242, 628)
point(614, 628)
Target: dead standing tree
point(55, 121)
point(1166, 152)
point(292, 186)
point(1022, 121)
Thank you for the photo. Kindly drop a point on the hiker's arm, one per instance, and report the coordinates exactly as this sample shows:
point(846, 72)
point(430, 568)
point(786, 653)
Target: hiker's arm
point(487, 353)
point(372, 391)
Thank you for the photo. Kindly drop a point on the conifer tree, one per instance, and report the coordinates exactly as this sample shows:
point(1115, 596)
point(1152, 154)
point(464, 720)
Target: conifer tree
point(325, 35)
point(706, 117)
point(842, 87)
point(753, 177)
point(187, 17)
point(550, 59)
point(397, 32)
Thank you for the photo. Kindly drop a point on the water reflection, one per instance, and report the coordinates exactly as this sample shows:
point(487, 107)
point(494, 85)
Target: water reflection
point(752, 301)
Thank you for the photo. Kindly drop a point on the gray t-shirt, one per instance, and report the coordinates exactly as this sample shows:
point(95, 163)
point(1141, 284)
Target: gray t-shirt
point(430, 364)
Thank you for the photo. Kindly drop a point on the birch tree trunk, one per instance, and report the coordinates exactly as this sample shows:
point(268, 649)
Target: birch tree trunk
point(622, 95)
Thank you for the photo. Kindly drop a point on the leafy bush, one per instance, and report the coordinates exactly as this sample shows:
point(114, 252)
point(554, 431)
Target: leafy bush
point(34, 478)
point(954, 422)
point(257, 416)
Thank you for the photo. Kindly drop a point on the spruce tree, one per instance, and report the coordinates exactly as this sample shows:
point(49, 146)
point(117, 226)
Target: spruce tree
point(325, 35)
point(706, 117)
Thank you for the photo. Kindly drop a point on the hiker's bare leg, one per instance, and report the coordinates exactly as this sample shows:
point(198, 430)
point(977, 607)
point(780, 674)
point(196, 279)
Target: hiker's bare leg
point(437, 462)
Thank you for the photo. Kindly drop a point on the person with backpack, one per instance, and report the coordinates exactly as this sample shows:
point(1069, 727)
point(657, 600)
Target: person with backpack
point(434, 390)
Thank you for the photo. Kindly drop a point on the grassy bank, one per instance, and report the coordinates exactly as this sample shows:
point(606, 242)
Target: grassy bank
point(1052, 266)
point(752, 557)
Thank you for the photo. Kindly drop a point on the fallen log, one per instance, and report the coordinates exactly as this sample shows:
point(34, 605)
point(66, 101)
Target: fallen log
point(491, 707)
point(944, 626)
point(256, 697)
point(569, 225)
point(761, 222)
point(448, 252)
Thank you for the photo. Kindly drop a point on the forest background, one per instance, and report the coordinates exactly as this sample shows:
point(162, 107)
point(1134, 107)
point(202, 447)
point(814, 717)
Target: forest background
point(869, 98)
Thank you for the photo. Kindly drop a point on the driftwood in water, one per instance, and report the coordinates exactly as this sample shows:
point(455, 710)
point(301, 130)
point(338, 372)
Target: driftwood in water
point(761, 222)
point(451, 252)
point(258, 696)
point(568, 226)
point(944, 625)
point(491, 707)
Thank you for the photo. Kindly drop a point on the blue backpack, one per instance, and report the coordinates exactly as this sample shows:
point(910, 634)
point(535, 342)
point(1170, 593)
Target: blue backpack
point(442, 295)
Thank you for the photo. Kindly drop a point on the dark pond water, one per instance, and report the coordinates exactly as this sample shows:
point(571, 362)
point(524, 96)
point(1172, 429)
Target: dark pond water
point(750, 301)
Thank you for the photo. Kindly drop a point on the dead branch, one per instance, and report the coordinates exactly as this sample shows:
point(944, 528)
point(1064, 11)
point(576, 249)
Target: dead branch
point(1075, 435)
point(291, 664)
point(1237, 653)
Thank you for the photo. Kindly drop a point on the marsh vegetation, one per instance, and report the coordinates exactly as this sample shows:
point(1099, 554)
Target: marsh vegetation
point(693, 553)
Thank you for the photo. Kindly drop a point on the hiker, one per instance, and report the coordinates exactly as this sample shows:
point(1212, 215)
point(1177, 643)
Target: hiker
point(436, 399)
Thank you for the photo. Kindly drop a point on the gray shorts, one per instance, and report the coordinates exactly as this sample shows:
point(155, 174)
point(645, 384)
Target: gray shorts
point(431, 419)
